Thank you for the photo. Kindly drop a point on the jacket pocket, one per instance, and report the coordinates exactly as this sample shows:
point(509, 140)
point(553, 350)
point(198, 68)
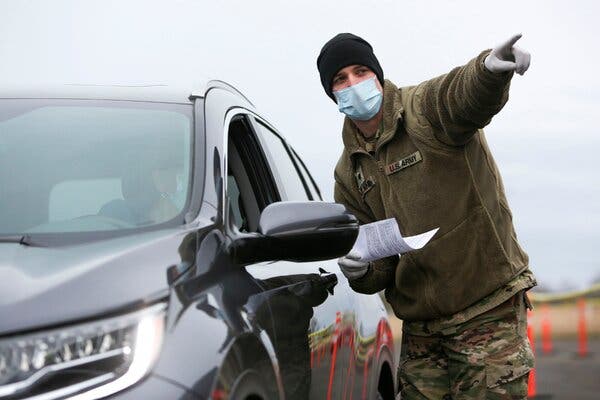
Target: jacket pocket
point(463, 265)
point(409, 296)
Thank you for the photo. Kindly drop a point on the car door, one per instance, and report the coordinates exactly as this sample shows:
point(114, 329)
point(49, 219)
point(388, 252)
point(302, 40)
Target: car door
point(359, 332)
point(323, 331)
point(339, 338)
point(305, 310)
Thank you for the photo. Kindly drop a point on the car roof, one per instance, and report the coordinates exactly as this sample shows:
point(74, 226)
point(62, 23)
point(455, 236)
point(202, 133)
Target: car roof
point(153, 92)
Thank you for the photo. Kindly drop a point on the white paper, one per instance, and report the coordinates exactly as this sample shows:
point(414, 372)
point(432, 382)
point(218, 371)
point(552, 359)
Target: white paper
point(383, 239)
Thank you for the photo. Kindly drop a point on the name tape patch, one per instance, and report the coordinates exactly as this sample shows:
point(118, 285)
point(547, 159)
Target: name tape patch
point(403, 163)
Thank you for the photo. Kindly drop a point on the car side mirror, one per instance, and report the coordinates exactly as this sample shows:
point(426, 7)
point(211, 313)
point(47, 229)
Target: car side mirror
point(299, 231)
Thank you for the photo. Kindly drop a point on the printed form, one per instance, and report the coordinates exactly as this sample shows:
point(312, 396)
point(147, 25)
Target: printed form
point(383, 239)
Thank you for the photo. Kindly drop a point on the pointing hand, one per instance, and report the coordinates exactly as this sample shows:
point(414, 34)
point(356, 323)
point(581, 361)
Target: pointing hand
point(508, 57)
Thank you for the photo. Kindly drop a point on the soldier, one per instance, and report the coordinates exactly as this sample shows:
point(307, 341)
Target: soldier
point(419, 154)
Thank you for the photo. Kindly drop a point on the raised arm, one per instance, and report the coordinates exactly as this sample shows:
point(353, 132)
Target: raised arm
point(457, 104)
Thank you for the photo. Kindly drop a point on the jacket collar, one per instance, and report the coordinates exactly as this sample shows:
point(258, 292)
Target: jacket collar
point(392, 112)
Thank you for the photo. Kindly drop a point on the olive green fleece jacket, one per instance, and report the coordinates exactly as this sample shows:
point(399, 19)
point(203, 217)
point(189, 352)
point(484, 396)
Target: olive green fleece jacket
point(431, 167)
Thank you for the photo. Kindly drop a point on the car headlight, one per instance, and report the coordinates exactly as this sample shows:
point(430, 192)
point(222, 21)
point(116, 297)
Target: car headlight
point(87, 361)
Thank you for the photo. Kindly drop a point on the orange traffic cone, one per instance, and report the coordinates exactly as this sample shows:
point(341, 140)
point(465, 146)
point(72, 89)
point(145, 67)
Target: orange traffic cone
point(546, 330)
point(335, 343)
point(583, 349)
point(531, 389)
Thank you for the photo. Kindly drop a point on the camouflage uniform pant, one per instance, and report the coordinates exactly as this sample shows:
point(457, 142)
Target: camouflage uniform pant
point(487, 357)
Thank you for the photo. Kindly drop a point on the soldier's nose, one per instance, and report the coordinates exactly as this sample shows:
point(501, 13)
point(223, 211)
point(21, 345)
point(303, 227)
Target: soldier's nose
point(353, 79)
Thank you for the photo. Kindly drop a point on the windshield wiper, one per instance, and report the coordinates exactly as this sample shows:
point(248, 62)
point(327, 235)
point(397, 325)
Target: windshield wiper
point(24, 240)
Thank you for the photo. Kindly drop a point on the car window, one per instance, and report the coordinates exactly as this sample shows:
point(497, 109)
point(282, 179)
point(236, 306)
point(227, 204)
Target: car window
point(74, 198)
point(285, 170)
point(250, 185)
point(90, 166)
point(313, 190)
point(237, 211)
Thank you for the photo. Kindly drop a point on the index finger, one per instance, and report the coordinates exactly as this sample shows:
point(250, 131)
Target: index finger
point(511, 42)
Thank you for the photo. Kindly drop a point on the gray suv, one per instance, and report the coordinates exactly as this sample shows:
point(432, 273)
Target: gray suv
point(157, 244)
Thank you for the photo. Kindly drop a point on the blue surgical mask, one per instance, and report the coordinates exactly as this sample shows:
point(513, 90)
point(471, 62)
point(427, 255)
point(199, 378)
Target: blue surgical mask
point(361, 101)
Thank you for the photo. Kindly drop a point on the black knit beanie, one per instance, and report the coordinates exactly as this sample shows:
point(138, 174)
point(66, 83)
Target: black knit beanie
point(342, 50)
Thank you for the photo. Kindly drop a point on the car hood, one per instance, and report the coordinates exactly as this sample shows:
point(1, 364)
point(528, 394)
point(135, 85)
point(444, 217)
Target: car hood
point(45, 286)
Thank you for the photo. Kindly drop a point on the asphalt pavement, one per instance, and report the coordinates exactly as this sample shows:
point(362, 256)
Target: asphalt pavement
point(564, 375)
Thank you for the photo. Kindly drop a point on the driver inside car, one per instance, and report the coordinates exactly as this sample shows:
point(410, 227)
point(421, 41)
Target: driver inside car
point(146, 198)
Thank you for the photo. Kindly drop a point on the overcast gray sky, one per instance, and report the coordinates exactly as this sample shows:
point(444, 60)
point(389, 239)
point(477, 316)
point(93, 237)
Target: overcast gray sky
point(545, 140)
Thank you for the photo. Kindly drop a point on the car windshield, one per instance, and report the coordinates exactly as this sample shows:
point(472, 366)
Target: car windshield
point(71, 166)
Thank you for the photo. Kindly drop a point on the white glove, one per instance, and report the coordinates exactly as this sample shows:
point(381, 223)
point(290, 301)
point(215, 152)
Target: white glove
point(507, 57)
point(352, 267)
